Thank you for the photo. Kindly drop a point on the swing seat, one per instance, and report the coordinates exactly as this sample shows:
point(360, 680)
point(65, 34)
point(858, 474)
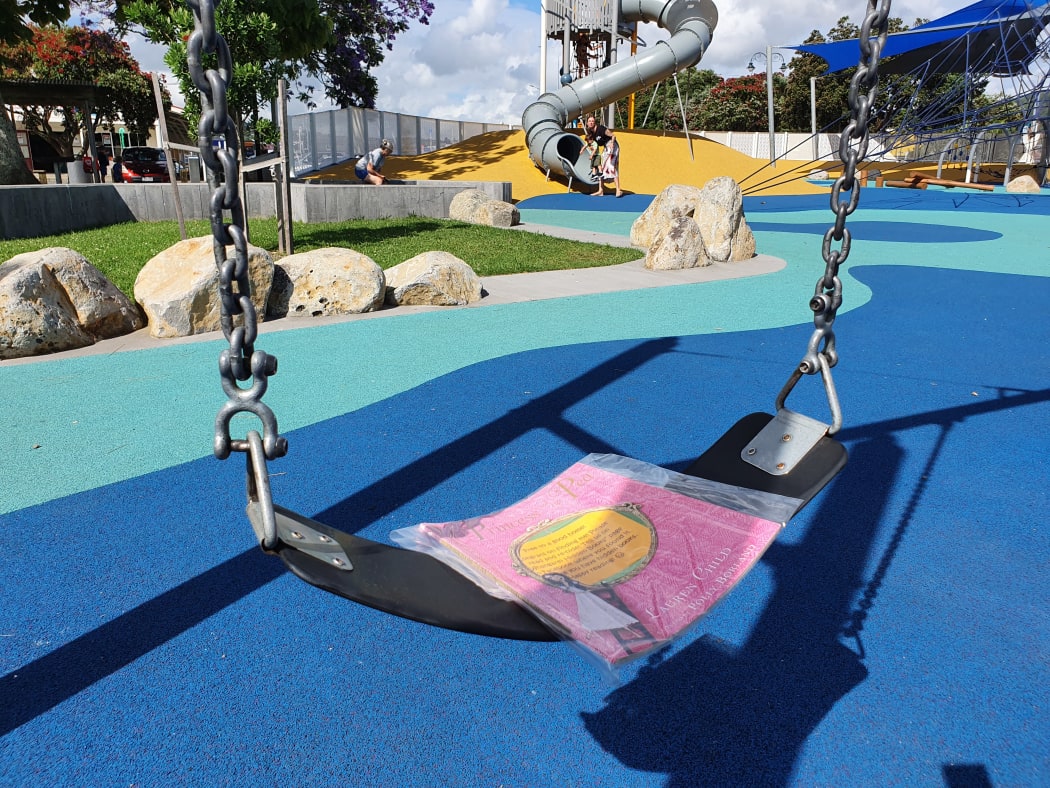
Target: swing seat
point(418, 587)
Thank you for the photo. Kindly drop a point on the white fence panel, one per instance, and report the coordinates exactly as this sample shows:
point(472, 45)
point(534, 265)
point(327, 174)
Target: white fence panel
point(428, 135)
point(301, 144)
point(343, 149)
point(320, 139)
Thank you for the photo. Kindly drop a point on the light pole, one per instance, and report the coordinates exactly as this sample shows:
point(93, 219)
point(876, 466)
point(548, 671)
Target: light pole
point(769, 55)
point(813, 116)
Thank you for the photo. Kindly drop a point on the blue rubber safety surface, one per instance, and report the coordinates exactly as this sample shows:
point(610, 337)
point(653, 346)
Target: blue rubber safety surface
point(895, 634)
point(932, 199)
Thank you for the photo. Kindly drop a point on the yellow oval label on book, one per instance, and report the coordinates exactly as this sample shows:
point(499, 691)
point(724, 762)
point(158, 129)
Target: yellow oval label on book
point(595, 548)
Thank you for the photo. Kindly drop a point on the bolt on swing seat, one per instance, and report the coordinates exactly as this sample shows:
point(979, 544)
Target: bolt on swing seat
point(787, 453)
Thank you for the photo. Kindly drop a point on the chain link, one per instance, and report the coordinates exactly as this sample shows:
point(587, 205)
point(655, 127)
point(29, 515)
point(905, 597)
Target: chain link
point(845, 193)
point(238, 319)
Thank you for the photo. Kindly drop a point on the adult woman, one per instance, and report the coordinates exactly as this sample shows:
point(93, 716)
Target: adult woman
point(610, 160)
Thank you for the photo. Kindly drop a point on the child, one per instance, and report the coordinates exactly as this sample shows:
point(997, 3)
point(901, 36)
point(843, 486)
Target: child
point(610, 167)
point(590, 149)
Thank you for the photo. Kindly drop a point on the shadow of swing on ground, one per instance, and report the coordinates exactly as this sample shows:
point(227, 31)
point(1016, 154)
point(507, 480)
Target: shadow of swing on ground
point(740, 716)
point(715, 714)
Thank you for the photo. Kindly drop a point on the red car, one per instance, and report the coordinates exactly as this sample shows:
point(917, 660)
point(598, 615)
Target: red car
point(144, 165)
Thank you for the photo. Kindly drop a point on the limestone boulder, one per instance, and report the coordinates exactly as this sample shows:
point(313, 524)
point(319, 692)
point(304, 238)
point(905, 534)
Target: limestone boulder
point(720, 215)
point(682, 246)
point(433, 279)
point(54, 299)
point(1023, 184)
point(476, 207)
point(497, 213)
point(178, 289)
point(465, 204)
point(674, 201)
point(329, 281)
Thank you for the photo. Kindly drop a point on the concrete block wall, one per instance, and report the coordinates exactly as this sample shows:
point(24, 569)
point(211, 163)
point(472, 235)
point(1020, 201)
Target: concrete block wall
point(34, 211)
point(335, 202)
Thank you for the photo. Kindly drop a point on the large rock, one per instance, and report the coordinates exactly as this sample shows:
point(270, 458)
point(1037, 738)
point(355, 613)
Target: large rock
point(433, 279)
point(497, 213)
point(178, 289)
point(54, 299)
point(720, 215)
point(682, 246)
point(674, 201)
point(465, 204)
point(329, 281)
point(476, 207)
point(1023, 184)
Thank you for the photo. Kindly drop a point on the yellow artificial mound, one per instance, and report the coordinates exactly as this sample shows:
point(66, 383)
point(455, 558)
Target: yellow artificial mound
point(649, 162)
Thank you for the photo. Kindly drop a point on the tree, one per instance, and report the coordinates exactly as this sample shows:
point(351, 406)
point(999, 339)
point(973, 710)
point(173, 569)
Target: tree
point(656, 107)
point(15, 17)
point(260, 50)
point(904, 100)
point(793, 109)
point(76, 54)
point(303, 36)
point(336, 42)
point(361, 33)
point(738, 104)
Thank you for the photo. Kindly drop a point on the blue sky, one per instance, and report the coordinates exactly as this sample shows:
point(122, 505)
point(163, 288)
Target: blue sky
point(480, 59)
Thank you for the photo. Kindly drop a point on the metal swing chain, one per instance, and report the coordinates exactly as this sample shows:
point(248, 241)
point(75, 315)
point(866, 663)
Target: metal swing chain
point(821, 354)
point(239, 320)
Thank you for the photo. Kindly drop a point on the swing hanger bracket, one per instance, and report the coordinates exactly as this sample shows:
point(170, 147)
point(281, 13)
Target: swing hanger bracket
point(789, 436)
point(783, 442)
point(272, 531)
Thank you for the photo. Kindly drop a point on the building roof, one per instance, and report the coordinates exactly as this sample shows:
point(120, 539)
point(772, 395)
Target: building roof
point(51, 92)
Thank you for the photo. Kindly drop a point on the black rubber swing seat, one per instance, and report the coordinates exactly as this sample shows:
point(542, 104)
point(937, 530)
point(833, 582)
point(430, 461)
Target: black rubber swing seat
point(415, 586)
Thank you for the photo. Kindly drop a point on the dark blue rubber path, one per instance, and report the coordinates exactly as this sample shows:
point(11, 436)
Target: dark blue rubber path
point(896, 634)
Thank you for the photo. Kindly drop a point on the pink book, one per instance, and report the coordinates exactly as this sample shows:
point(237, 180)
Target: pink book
point(621, 564)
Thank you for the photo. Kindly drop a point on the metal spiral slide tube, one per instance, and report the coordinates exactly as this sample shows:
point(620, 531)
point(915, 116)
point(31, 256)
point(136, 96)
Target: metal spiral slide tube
point(691, 23)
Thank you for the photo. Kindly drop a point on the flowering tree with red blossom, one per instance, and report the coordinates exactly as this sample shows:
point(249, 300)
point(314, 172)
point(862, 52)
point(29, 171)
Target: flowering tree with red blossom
point(77, 54)
point(15, 17)
point(737, 104)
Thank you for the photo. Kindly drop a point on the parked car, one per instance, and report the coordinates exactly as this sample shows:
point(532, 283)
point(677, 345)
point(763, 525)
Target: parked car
point(144, 165)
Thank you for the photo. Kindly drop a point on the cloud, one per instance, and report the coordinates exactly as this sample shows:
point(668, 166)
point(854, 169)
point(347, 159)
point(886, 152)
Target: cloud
point(474, 57)
point(479, 60)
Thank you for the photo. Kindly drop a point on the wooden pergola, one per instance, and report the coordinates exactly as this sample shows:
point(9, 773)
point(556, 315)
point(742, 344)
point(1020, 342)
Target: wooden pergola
point(35, 92)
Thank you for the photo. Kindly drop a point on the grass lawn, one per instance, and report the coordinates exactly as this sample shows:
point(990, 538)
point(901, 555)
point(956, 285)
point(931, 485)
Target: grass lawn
point(121, 250)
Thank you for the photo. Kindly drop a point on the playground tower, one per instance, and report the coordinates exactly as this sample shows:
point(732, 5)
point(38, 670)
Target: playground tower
point(587, 31)
point(690, 23)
